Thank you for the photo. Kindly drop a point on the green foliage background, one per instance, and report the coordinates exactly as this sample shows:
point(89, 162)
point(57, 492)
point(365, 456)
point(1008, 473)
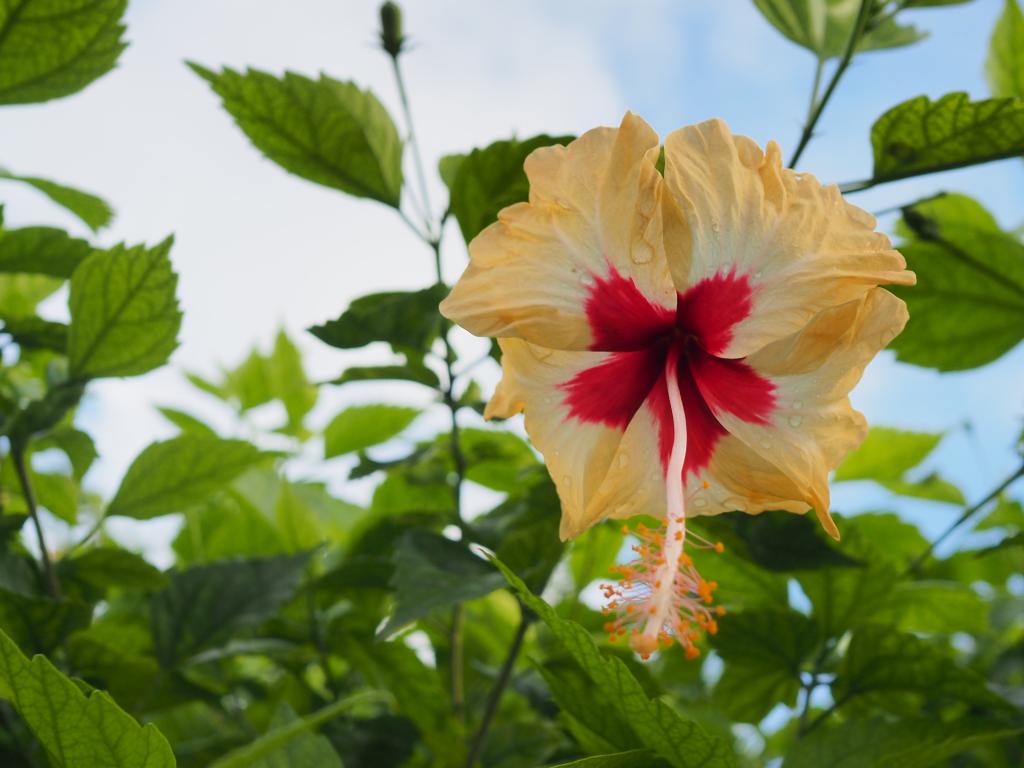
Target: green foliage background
point(299, 629)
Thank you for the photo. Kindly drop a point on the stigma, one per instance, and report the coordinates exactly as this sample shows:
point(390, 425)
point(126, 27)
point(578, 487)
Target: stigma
point(660, 598)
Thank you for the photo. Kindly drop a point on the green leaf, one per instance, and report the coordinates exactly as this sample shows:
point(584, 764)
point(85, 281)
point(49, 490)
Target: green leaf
point(93, 211)
point(106, 567)
point(297, 521)
point(40, 624)
point(41, 251)
point(186, 422)
point(887, 454)
point(434, 572)
point(1005, 63)
point(408, 321)
point(635, 758)
point(53, 48)
point(1007, 513)
point(227, 527)
point(763, 651)
point(278, 376)
point(411, 372)
point(593, 552)
point(495, 459)
point(325, 131)
point(290, 742)
point(880, 659)
point(780, 541)
point(489, 179)
point(583, 706)
point(35, 333)
point(361, 426)
point(78, 731)
point(124, 312)
point(205, 605)
point(683, 743)
point(448, 168)
point(881, 743)
point(40, 416)
point(967, 308)
point(523, 532)
point(58, 494)
point(742, 583)
point(934, 606)
point(175, 474)
point(924, 136)
point(417, 691)
point(931, 487)
point(20, 293)
point(844, 598)
point(824, 26)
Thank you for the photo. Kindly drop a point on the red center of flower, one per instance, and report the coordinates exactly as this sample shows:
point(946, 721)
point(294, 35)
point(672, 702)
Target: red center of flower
point(639, 335)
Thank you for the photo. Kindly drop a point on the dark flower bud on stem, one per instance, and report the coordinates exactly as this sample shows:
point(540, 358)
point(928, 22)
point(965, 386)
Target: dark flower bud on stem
point(391, 38)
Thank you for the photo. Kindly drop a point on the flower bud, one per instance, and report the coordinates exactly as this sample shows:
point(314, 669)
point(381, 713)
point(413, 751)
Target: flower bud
point(391, 38)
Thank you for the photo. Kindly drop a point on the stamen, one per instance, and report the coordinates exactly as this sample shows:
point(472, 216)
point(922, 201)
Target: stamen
point(660, 597)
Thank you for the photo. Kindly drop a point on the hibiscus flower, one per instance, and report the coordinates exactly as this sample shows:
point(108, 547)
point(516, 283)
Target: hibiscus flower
point(681, 344)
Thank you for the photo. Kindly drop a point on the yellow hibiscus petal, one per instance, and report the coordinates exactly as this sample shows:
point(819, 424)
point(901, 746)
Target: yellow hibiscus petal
point(595, 205)
point(802, 247)
point(813, 426)
point(577, 454)
point(634, 483)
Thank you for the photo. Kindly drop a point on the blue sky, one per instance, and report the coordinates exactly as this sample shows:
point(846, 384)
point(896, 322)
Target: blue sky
point(257, 249)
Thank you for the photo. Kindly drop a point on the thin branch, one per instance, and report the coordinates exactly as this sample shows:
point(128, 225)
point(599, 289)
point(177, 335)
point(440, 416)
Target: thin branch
point(849, 187)
point(455, 645)
point(815, 681)
point(413, 143)
point(827, 713)
point(818, 108)
point(504, 676)
point(96, 528)
point(433, 240)
point(18, 457)
point(323, 652)
point(968, 513)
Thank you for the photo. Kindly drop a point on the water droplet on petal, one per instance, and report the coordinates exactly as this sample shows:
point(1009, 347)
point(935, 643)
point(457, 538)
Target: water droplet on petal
point(766, 443)
point(586, 279)
point(567, 482)
point(758, 275)
point(623, 460)
point(641, 253)
point(700, 501)
point(715, 226)
point(798, 404)
point(795, 421)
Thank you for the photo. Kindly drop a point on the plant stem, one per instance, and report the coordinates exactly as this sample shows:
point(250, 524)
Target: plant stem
point(849, 187)
point(494, 698)
point(819, 662)
point(818, 105)
point(456, 656)
point(915, 566)
point(18, 457)
point(826, 714)
point(819, 70)
point(433, 239)
point(323, 652)
point(414, 145)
